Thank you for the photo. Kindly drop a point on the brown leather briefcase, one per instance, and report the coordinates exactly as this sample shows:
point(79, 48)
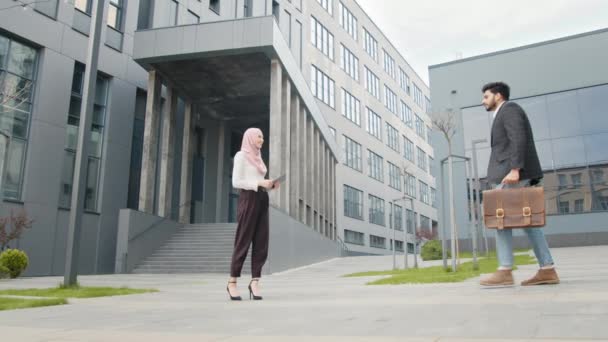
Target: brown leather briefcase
point(514, 208)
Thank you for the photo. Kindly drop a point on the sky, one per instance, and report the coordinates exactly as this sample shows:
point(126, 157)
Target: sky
point(428, 32)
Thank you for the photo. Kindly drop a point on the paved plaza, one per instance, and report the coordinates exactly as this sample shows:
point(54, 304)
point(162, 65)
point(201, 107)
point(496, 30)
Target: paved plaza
point(316, 304)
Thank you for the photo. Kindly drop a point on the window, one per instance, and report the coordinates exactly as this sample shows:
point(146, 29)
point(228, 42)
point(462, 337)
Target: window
point(422, 159)
point(404, 81)
point(418, 97)
point(424, 193)
point(374, 124)
point(399, 245)
point(429, 133)
point(322, 86)
point(579, 205)
point(372, 83)
point(352, 153)
point(410, 219)
point(321, 38)
point(410, 185)
point(375, 166)
point(433, 198)
point(96, 145)
point(420, 127)
point(371, 45)
point(577, 179)
point(427, 106)
point(389, 65)
point(328, 5)
point(333, 131)
point(214, 5)
point(393, 138)
point(192, 18)
point(353, 202)
point(390, 99)
point(432, 166)
point(597, 176)
point(425, 222)
point(247, 8)
point(83, 5)
point(376, 210)
point(406, 115)
point(349, 63)
point(351, 107)
point(115, 10)
point(348, 21)
point(564, 207)
point(377, 242)
point(563, 181)
point(17, 84)
point(394, 176)
point(353, 237)
point(398, 217)
point(408, 149)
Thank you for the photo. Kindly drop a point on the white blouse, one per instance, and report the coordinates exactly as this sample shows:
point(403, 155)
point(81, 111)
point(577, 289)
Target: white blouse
point(244, 174)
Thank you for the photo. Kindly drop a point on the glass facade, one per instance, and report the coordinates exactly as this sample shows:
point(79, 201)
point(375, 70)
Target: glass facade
point(17, 85)
point(571, 134)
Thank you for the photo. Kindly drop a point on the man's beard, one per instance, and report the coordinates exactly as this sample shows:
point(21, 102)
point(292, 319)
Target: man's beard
point(491, 109)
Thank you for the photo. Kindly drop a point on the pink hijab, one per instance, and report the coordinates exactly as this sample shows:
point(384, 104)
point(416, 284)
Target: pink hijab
point(252, 153)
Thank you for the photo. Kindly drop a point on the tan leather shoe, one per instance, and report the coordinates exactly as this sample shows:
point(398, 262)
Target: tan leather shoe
point(542, 277)
point(498, 278)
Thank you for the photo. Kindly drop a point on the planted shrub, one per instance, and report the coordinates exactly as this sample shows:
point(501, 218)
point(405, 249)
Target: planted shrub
point(15, 261)
point(432, 251)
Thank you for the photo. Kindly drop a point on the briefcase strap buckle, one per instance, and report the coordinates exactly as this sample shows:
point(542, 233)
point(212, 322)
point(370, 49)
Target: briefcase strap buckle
point(500, 213)
point(527, 212)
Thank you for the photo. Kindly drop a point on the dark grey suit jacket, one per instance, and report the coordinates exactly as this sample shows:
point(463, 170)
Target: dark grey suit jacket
point(513, 145)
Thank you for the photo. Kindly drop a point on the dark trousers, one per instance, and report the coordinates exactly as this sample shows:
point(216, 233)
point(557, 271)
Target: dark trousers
point(252, 229)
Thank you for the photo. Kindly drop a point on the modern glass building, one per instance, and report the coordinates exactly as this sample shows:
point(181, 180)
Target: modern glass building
point(179, 81)
point(562, 85)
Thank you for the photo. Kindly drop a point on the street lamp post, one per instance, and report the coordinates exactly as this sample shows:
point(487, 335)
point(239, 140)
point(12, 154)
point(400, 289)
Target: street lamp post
point(478, 226)
point(82, 149)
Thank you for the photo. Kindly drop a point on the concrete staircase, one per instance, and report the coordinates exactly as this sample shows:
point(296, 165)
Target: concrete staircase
point(195, 248)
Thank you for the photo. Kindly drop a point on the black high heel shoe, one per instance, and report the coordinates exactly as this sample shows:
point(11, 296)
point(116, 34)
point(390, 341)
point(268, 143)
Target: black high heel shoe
point(229, 294)
point(251, 294)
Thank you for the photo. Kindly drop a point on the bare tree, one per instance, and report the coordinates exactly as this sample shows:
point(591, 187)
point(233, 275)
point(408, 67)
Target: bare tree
point(12, 226)
point(446, 124)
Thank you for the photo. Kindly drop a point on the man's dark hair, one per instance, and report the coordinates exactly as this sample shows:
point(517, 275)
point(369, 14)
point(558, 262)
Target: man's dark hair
point(498, 88)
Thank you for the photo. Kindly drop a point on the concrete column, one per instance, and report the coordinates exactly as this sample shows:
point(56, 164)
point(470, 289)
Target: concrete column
point(167, 148)
point(296, 152)
point(314, 161)
point(322, 180)
point(149, 155)
point(221, 138)
point(274, 150)
point(309, 185)
point(303, 173)
point(286, 144)
point(317, 180)
point(333, 196)
point(326, 190)
point(185, 189)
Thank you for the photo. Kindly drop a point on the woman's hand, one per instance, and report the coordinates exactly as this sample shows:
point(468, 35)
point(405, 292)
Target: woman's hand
point(276, 185)
point(266, 184)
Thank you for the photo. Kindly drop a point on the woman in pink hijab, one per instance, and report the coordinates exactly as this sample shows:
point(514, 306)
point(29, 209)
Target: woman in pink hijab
point(248, 175)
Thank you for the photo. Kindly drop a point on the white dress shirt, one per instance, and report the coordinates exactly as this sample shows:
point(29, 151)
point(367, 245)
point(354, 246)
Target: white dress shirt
point(497, 109)
point(245, 175)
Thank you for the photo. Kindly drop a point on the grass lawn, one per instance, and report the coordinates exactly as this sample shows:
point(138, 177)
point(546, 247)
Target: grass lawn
point(76, 292)
point(437, 274)
point(18, 303)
